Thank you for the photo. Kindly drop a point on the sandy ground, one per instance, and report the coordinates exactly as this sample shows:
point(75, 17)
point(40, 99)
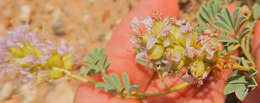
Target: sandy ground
point(84, 24)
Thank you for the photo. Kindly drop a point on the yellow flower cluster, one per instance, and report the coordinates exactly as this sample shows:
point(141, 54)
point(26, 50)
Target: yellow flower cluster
point(175, 47)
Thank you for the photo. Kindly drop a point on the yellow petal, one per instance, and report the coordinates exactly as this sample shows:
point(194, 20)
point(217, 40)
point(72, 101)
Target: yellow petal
point(144, 38)
point(16, 52)
point(30, 50)
point(68, 62)
point(197, 68)
point(54, 61)
point(158, 26)
point(156, 52)
point(55, 74)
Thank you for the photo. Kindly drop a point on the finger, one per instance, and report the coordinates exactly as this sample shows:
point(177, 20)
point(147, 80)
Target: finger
point(121, 55)
point(254, 95)
point(256, 39)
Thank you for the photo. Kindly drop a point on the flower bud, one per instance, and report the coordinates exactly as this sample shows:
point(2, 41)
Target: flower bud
point(55, 74)
point(197, 68)
point(157, 28)
point(179, 49)
point(67, 62)
point(144, 38)
point(54, 61)
point(156, 52)
point(16, 52)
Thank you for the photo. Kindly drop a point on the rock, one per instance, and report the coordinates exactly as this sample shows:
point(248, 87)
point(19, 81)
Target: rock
point(25, 13)
point(58, 27)
point(6, 91)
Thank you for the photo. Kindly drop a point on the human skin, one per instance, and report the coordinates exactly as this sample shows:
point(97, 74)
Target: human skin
point(254, 95)
point(121, 55)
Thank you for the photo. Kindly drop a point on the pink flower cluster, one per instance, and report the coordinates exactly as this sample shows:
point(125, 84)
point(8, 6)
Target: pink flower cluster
point(33, 53)
point(174, 47)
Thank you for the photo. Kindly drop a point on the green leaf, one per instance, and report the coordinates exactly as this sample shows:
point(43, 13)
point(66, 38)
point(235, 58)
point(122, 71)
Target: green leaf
point(241, 21)
point(253, 82)
point(231, 88)
point(225, 38)
point(126, 83)
point(209, 11)
point(113, 85)
point(244, 63)
point(201, 19)
point(133, 87)
point(89, 72)
point(238, 80)
point(107, 64)
point(235, 16)
point(101, 86)
point(108, 82)
point(241, 92)
point(202, 27)
point(97, 62)
point(221, 18)
point(228, 1)
point(252, 72)
point(116, 82)
point(222, 26)
point(205, 15)
point(227, 17)
point(243, 33)
point(256, 11)
point(240, 84)
point(230, 48)
point(142, 62)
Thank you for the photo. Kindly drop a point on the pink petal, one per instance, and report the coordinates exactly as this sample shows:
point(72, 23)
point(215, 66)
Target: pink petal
point(180, 22)
point(150, 42)
point(166, 43)
point(148, 23)
point(135, 24)
point(142, 55)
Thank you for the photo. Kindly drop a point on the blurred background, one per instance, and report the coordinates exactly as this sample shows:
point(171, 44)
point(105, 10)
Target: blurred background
point(84, 24)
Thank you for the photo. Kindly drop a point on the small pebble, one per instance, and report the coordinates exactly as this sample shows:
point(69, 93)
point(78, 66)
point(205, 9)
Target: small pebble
point(90, 1)
point(101, 38)
point(85, 17)
point(6, 91)
point(58, 27)
point(25, 13)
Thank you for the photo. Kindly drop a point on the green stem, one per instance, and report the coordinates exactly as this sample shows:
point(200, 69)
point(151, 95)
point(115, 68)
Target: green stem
point(161, 79)
point(77, 77)
point(245, 51)
point(140, 95)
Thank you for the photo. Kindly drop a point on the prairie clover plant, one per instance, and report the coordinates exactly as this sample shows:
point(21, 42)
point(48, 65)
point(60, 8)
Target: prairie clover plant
point(28, 56)
point(174, 47)
point(171, 46)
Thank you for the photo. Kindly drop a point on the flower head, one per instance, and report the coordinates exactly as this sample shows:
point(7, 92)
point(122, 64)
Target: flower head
point(174, 45)
point(25, 54)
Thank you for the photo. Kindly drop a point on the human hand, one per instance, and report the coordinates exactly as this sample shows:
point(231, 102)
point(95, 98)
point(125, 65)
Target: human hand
point(123, 60)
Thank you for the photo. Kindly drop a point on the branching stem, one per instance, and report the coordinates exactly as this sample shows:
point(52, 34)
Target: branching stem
point(140, 95)
point(77, 77)
point(246, 52)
